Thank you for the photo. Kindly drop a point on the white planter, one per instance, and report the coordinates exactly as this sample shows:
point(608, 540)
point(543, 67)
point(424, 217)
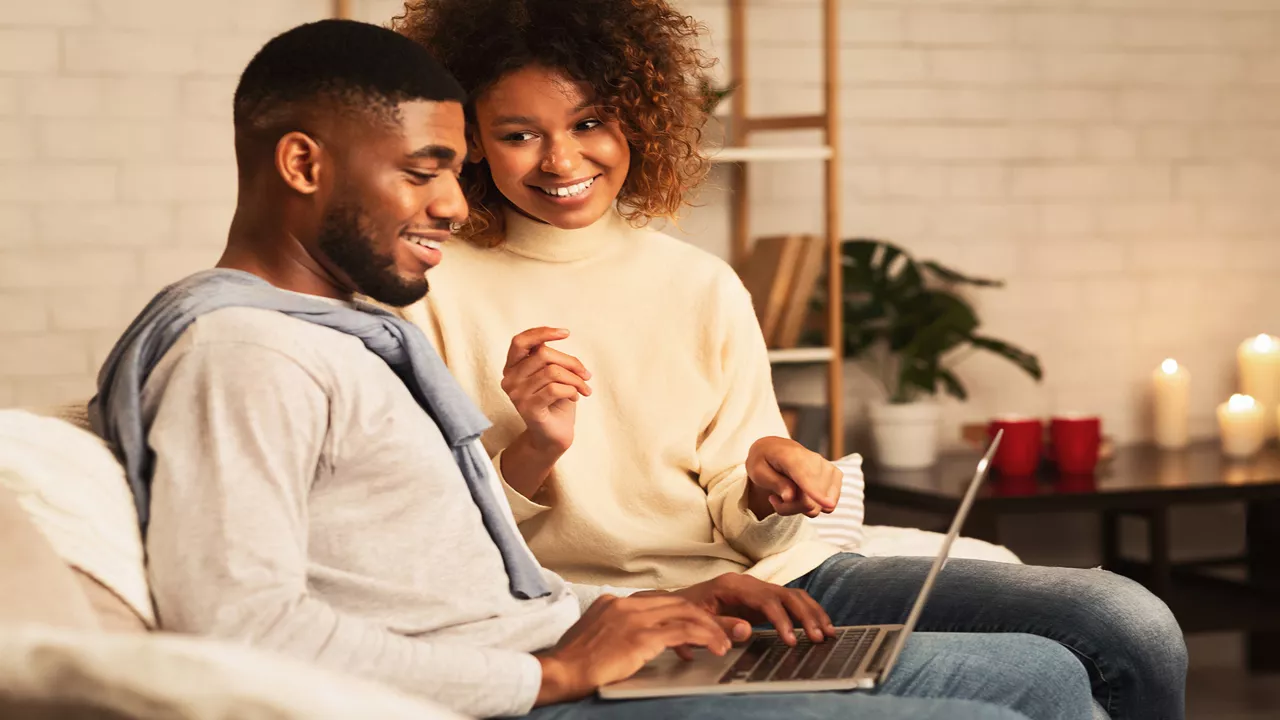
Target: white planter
point(906, 435)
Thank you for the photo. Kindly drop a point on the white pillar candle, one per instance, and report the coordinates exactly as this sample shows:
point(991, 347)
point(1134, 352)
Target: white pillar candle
point(1259, 359)
point(1240, 421)
point(1172, 404)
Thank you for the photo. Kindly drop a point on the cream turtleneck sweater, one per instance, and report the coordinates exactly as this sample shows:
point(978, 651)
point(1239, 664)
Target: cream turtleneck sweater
point(653, 491)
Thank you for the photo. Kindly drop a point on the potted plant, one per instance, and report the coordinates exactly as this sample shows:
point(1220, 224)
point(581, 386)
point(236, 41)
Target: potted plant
point(716, 132)
point(904, 317)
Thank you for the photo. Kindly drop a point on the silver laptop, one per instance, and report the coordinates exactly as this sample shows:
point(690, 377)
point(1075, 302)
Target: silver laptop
point(857, 658)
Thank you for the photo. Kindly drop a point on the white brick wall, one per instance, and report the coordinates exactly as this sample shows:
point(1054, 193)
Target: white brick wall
point(117, 171)
point(1116, 161)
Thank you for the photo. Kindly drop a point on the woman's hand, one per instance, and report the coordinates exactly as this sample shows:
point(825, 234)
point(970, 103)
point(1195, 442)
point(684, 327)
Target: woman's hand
point(544, 385)
point(789, 479)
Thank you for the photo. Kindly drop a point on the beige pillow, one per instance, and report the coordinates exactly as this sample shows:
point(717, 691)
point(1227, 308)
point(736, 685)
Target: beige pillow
point(74, 492)
point(35, 585)
point(52, 673)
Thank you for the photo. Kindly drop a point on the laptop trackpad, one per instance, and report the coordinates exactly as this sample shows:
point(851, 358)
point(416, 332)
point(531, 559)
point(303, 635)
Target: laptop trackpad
point(668, 668)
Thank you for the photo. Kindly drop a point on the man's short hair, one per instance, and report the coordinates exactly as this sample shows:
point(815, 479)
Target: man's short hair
point(352, 65)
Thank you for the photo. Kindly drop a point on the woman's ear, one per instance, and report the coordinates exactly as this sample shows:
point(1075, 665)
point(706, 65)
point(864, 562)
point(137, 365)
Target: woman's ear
point(299, 162)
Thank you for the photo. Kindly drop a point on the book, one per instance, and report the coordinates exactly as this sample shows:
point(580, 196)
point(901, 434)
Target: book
point(767, 274)
point(796, 307)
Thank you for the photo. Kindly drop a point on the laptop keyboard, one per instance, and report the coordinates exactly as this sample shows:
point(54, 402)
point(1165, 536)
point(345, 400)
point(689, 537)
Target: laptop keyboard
point(769, 659)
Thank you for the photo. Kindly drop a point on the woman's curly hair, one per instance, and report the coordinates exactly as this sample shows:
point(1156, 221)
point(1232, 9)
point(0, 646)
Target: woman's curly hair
point(640, 58)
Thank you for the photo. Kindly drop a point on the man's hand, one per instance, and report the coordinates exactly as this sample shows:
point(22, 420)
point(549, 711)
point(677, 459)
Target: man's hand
point(617, 636)
point(789, 479)
point(756, 601)
point(544, 384)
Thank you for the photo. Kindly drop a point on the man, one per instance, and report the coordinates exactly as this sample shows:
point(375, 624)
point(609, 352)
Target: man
point(310, 478)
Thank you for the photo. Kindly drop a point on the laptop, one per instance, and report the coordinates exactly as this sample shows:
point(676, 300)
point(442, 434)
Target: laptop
point(856, 658)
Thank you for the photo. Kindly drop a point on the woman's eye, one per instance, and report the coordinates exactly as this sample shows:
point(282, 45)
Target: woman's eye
point(517, 137)
point(419, 178)
point(589, 125)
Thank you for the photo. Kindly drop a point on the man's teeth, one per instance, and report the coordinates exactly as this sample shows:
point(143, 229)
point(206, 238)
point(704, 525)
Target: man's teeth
point(424, 242)
point(571, 190)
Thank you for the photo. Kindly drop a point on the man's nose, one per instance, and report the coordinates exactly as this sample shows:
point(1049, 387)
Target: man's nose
point(451, 204)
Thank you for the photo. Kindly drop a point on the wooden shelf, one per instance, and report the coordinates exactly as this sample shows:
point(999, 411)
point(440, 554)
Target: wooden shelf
point(770, 154)
point(801, 356)
point(741, 155)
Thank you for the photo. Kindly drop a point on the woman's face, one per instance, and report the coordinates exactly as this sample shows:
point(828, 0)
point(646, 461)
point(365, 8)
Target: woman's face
point(550, 150)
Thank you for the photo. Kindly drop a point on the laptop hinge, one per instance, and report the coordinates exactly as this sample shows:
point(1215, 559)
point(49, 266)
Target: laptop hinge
point(876, 667)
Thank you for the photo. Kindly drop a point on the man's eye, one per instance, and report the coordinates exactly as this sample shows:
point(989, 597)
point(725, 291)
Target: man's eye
point(517, 137)
point(420, 178)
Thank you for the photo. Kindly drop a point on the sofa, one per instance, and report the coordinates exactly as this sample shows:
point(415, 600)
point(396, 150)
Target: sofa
point(78, 632)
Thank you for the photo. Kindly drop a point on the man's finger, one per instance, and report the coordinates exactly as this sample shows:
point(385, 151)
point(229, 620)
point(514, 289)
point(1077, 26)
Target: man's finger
point(774, 611)
point(526, 342)
point(737, 629)
point(811, 618)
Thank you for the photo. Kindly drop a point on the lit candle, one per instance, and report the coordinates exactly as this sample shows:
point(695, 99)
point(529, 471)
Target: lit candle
point(1240, 421)
point(1172, 403)
point(1259, 359)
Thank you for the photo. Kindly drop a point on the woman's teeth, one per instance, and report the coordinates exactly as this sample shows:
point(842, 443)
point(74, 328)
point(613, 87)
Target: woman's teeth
point(569, 191)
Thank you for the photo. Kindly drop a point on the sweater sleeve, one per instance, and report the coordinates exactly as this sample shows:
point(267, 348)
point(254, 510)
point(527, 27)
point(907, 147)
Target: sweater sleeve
point(748, 411)
point(238, 437)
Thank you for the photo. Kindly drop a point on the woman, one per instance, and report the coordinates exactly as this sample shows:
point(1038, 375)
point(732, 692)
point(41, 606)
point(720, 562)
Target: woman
point(646, 449)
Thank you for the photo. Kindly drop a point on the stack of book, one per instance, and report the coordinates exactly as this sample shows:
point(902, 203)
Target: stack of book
point(782, 273)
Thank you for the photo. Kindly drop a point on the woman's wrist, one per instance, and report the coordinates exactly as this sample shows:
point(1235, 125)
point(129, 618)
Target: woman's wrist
point(526, 465)
point(758, 501)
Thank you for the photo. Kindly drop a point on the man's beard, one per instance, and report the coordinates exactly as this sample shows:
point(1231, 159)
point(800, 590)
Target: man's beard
point(352, 251)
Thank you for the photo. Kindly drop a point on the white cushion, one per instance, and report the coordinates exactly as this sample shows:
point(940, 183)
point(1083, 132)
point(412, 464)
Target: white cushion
point(842, 527)
point(75, 493)
point(884, 541)
point(157, 677)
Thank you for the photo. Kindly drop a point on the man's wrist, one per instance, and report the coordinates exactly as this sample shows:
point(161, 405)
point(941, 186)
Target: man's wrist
point(555, 684)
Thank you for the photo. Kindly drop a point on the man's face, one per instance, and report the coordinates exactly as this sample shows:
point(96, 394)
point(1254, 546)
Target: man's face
point(393, 200)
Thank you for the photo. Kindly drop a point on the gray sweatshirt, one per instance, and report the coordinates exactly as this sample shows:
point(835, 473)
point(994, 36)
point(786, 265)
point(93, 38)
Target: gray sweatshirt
point(303, 502)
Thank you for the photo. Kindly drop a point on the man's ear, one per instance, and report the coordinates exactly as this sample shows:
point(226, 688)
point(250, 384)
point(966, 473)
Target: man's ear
point(475, 151)
point(300, 163)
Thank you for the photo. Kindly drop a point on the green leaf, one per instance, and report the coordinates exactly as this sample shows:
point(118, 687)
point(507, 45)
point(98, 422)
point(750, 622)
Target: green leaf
point(1029, 363)
point(953, 386)
point(955, 277)
point(894, 302)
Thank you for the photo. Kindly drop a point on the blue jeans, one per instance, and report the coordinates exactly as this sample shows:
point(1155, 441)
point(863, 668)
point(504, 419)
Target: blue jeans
point(1125, 637)
point(940, 676)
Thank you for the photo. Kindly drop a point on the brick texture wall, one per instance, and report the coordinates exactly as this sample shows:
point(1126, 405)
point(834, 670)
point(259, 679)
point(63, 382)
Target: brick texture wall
point(116, 168)
point(1114, 160)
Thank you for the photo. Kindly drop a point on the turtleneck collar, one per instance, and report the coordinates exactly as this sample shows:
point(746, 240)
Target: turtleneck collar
point(539, 241)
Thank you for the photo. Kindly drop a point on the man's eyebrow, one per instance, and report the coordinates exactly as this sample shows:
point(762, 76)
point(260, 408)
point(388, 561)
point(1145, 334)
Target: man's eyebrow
point(434, 152)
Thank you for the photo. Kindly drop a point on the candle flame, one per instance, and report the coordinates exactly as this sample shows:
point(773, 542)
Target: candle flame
point(1169, 366)
point(1264, 343)
point(1241, 402)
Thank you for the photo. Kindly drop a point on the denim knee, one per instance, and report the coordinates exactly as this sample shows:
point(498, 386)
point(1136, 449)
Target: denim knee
point(1140, 623)
point(1052, 677)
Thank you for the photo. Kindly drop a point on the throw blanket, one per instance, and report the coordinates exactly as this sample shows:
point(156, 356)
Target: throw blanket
point(116, 411)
